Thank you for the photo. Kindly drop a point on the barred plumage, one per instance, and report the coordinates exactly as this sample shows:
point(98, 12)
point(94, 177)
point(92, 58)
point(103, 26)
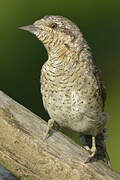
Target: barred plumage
point(71, 86)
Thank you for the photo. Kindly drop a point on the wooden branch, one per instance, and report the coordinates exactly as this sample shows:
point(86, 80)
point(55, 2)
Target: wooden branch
point(27, 156)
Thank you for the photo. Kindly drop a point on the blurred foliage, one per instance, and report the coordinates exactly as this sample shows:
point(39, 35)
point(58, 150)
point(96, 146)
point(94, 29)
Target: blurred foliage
point(22, 55)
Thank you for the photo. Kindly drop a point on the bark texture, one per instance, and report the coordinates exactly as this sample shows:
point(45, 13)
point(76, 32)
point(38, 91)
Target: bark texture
point(28, 157)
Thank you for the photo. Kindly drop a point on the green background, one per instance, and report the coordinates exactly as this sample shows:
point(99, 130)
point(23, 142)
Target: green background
point(22, 54)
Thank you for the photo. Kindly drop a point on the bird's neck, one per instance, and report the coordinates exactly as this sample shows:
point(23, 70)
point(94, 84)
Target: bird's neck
point(66, 53)
point(67, 46)
point(65, 61)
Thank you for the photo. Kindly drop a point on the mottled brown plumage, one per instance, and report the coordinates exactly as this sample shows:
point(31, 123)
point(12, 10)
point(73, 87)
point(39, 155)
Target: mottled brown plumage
point(71, 86)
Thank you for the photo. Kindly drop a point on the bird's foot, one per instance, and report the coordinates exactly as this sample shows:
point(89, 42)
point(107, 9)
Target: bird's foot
point(87, 148)
point(92, 150)
point(49, 127)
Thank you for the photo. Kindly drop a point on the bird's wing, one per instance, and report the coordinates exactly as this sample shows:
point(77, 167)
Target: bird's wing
point(102, 91)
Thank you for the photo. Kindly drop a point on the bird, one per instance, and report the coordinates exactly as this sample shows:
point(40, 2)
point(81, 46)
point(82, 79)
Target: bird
point(72, 88)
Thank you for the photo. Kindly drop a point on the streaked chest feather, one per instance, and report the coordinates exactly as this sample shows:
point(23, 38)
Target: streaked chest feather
point(69, 93)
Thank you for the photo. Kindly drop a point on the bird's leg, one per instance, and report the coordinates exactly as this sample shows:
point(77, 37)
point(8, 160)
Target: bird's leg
point(86, 141)
point(49, 127)
point(93, 149)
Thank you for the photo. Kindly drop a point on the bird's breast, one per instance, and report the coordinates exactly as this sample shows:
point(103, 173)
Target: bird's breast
point(70, 97)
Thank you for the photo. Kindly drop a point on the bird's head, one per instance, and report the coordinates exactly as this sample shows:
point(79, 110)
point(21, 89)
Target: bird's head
point(56, 32)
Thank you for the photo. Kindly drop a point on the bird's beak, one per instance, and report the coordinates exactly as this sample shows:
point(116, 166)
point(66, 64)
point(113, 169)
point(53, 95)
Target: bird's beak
point(30, 28)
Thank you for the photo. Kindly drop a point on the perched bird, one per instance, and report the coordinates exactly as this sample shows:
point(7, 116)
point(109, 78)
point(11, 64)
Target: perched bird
point(72, 89)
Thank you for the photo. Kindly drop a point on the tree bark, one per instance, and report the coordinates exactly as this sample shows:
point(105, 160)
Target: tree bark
point(24, 152)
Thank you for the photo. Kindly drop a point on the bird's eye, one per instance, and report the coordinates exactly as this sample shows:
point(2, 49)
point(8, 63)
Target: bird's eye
point(53, 25)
